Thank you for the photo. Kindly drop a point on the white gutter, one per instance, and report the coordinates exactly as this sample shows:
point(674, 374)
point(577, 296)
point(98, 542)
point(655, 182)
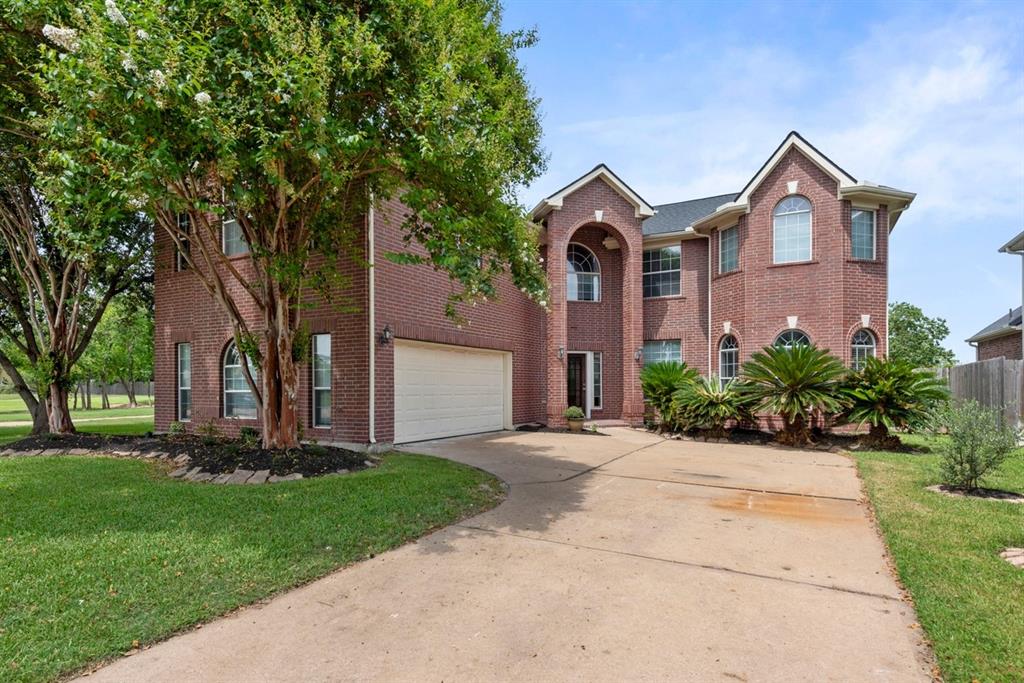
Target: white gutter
point(373, 325)
point(708, 237)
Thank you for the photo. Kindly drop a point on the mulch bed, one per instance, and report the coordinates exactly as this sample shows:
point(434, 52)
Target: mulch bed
point(980, 493)
point(215, 456)
point(820, 441)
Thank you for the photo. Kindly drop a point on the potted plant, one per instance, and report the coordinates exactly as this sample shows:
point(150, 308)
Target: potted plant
point(575, 417)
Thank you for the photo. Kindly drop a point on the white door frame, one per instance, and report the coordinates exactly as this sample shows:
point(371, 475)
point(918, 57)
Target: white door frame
point(588, 371)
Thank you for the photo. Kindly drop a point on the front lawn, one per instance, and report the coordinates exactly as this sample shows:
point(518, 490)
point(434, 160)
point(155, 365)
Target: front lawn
point(101, 553)
point(126, 425)
point(970, 601)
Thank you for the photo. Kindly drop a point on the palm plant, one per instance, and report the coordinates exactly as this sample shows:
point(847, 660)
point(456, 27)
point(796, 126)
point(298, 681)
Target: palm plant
point(659, 381)
point(708, 404)
point(892, 394)
point(794, 383)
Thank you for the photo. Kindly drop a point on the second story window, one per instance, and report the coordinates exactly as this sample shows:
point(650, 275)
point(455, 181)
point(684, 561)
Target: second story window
point(181, 253)
point(792, 230)
point(582, 275)
point(862, 234)
point(661, 272)
point(232, 240)
point(729, 250)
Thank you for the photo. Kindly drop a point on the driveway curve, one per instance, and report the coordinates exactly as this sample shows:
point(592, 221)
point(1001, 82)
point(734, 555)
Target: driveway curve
point(616, 557)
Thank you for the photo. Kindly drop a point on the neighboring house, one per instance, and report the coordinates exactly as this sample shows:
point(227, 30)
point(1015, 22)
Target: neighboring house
point(1003, 338)
point(800, 253)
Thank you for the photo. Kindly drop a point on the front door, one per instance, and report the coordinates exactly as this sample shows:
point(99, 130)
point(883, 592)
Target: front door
point(576, 374)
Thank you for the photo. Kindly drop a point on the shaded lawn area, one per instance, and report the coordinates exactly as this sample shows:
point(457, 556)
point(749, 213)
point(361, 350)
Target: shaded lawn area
point(99, 552)
point(129, 426)
point(12, 409)
point(969, 600)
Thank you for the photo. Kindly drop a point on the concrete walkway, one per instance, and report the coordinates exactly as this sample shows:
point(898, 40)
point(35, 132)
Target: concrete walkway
point(621, 557)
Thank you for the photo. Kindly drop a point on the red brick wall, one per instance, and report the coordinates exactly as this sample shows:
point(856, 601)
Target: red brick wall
point(828, 294)
point(185, 312)
point(684, 317)
point(618, 220)
point(1008, 347)
point(411, 300)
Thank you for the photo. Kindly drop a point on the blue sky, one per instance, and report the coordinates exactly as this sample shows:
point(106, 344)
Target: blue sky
point(686, 99)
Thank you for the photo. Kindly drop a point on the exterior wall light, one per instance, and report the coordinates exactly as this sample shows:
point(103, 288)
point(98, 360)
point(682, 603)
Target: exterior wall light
point(386, 335)
point(638, 354)
point(561, 352)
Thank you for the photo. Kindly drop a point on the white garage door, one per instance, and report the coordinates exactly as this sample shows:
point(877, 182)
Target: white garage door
point(449, 390)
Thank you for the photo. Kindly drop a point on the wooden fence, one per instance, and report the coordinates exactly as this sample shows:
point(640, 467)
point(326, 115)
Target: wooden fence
point(996, 383)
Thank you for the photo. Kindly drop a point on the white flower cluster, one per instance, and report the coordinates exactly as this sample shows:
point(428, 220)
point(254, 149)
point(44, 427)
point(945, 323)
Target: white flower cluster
point(141, 35)
point(203, 98)
point(66, 38)
point(114, 14)
point(158, 78)
point(127, 63)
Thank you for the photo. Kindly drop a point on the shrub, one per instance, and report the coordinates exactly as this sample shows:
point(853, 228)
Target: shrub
point(793, 383)
point(706, 404)
point(659, 381)
point(176, 429)
point(574, 413)
point(977, 443)
point(210, 432)
point(892, 394)
point(250, 437)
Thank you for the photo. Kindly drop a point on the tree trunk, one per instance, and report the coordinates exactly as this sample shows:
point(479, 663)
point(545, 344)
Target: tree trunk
point(36, 407)
point(59, 415)
point(88, 394)
point(129, 387)
point(74, 394)
point(280, 378)
point(878, 433)
point(104, 398)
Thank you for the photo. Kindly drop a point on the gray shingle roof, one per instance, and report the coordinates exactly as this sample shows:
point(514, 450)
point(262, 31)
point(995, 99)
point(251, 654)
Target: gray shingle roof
point(1010, 321)
point(679, 215)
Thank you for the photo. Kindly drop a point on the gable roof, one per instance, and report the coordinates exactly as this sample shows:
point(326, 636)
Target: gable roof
point(1010, 322)
point(1014, 246)
point(794, 139)
point(681, 215)
point(641, 208)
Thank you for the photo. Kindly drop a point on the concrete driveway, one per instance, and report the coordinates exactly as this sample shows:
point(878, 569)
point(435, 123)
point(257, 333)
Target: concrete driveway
point(620, 557)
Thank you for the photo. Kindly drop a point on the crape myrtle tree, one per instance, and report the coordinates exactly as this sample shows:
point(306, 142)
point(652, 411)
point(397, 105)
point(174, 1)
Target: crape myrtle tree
point(293, 117)
point(60, 266)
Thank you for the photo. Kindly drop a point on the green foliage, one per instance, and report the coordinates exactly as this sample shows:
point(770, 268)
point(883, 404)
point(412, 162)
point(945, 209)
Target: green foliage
point(659, 381)
point(707, 404)
point(210, 432)
point(176, 429)
point(892, 394)
point(794, 383)
point(249, 436)
point(574, 413)
point(916, 339)
point(978, 442)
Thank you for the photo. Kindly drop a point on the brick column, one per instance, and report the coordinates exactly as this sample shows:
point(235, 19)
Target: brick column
point(557, 333)
point(632, 332)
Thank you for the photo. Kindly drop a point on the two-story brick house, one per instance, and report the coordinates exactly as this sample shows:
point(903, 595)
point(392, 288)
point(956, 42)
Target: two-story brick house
point(800, 253)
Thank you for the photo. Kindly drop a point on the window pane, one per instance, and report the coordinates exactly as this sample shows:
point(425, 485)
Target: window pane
point(660, 351)
point(322, 408)
point(234, 242)
point(729, 250)
point(185, 226)
point(184, 404)
point(238, 398)
point(661, 272)
point(728, 360)
point(184, 381)
point(239, 404)
point(792, 223)
point(862, 348)
point(862, 234)
point(322, 380)
point(597, 380)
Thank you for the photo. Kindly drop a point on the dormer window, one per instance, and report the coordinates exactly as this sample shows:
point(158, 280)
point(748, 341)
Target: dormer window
point(792, 230)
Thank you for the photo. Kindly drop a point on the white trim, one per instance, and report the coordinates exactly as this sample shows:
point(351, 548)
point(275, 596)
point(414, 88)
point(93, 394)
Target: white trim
point(793, 140)
point(588, 373)
point(721, 232)
point(641, 209)
point(874, 234)
point(810, 232)
point(177, 380)
point(644, 274)
point(372, 426)
point(597, 273)
point(314, 388)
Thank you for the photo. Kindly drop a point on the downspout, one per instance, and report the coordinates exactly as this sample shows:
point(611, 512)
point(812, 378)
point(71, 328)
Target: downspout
point(373, 324)
point(708, 238)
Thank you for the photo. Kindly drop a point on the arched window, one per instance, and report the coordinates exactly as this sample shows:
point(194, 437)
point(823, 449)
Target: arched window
point(238, 399)
point(792, 230)
point(583, 274)
point(792, 338)
point(862, 347)
point(728, 359)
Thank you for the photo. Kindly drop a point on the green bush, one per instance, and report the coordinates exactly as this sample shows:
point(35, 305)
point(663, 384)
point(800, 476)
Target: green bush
point(977, 443)
point(574, 413)
point(176, 429)
point(793, 383)
point(210, 432)
point(659, 382)
point(892, 394)
point(708, 405)
point(250, 437)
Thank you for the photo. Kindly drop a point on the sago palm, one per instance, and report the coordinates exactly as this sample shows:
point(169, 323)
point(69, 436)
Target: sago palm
point(892, 394)
point(707, 404)
point(794, 383)
point(659, 381)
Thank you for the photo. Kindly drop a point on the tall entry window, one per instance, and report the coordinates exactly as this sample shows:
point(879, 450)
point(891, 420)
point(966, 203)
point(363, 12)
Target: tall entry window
point(184, 382)
point(792, 226)
point(583, 274)
point(321, 380)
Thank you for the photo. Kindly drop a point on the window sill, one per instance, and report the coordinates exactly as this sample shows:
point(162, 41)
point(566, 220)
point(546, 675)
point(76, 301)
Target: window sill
point(667, 296)
point(719, 276)
point(865, 261)
point(794, 263)
point(582, 301)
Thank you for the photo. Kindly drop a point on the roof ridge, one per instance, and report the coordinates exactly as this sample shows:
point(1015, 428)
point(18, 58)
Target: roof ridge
point(699, 199)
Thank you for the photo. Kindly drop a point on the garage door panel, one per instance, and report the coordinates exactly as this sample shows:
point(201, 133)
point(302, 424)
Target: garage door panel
point(447, 390)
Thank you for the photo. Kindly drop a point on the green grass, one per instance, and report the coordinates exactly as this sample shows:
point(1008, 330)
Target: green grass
point(12, 409)
point(969, 601)
point(100, 552)
point(130, 425)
